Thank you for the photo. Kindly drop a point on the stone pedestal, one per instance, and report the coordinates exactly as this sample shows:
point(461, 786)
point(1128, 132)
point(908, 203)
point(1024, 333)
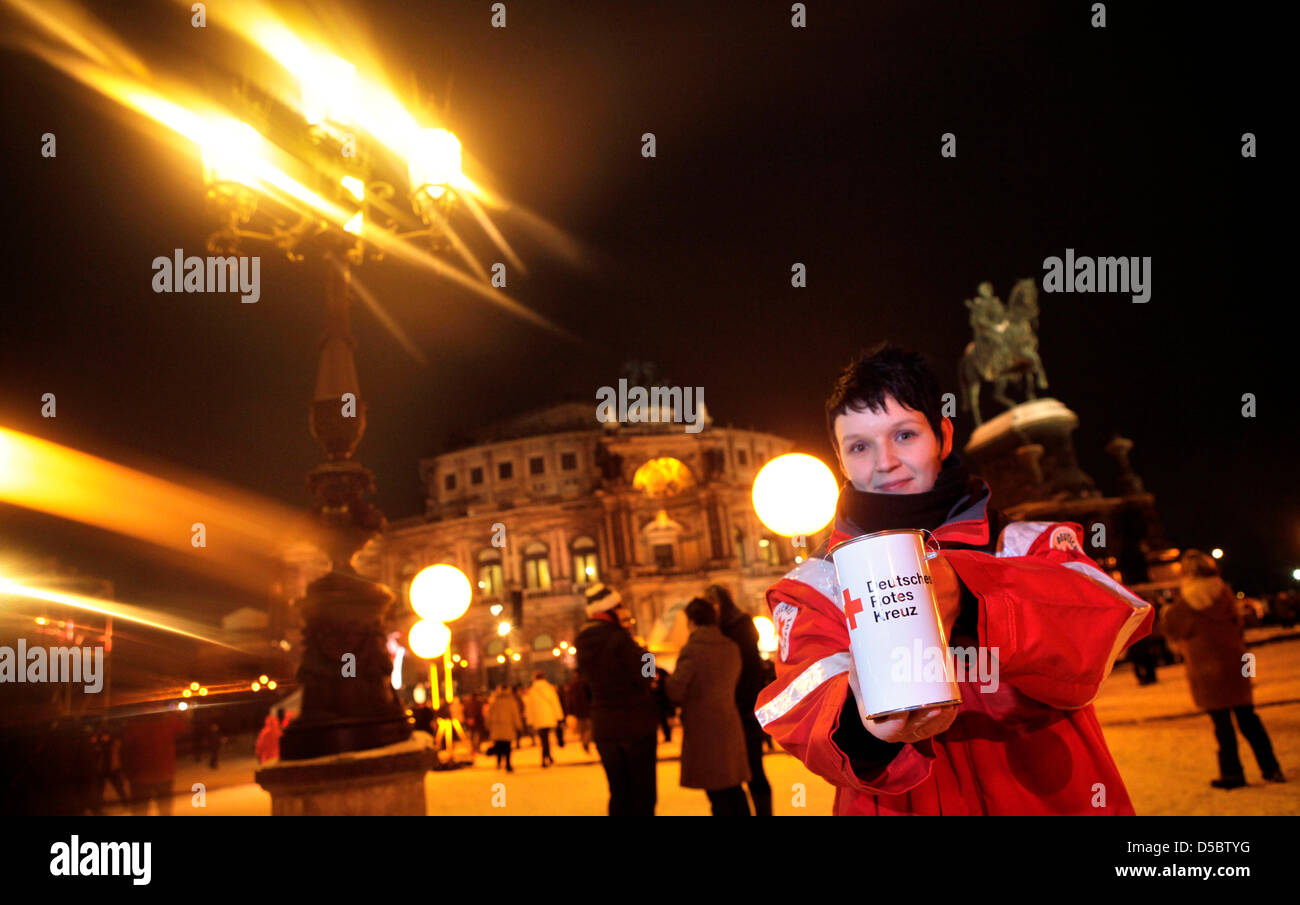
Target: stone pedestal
point(1027, 453)
point(386, 781)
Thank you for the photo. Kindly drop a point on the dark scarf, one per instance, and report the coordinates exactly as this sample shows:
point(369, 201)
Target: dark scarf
point(953, 490)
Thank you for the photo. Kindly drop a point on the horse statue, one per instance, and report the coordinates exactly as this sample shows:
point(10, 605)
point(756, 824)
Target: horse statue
point(1005, 347)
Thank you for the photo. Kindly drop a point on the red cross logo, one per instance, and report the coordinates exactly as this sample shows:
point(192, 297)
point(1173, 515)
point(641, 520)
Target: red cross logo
point(852, 606)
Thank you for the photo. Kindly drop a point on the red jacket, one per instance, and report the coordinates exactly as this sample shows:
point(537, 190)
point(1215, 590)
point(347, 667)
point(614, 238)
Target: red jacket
point(1032, 746)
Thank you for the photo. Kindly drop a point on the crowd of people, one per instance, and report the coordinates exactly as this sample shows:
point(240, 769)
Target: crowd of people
point(619, 701)
point(628, 699)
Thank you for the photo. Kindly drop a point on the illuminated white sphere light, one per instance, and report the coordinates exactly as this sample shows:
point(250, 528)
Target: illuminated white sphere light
point(429, 639)
point(440, 593)
point(795, 494)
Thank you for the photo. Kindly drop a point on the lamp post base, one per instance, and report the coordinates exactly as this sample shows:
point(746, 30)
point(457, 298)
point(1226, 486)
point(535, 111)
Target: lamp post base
point(387, 781)
point(348, 701)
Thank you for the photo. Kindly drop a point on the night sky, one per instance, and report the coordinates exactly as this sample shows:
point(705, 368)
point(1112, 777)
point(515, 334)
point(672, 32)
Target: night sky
point(775, 145)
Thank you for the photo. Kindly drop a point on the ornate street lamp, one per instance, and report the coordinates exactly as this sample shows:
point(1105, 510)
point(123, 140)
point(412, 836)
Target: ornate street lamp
point(348, 701)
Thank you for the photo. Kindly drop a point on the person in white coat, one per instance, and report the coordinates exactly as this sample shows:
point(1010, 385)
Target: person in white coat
point(544, 712)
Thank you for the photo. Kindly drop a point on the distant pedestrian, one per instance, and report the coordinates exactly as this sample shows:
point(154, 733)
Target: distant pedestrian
point(714, 757)
point(578, 702)
point(624, 719)
point(504, 722)
point(564, 717)
point(149, 760)
point(214, 738)
point(740, 629)
point(1207, 624)
point(524, 729)
point(544, 713)
point(667, 709)
point(107, 744)
point(267, 747)
point(474, 720)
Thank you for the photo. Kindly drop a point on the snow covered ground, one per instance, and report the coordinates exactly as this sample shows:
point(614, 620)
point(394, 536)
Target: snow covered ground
point(1165, 750)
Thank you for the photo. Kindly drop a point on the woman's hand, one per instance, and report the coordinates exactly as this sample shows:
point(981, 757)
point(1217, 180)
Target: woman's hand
point(914, 725)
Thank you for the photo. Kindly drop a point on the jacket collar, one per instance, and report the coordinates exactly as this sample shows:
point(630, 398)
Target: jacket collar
point(968, 523)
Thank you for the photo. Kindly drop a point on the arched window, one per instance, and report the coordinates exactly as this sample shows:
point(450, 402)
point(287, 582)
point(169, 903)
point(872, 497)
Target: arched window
point(768, 550)
point(586, 567)
point(537, 567)
point(543, 642)
point(494, 647)
point(661, 536)
point(491, 580)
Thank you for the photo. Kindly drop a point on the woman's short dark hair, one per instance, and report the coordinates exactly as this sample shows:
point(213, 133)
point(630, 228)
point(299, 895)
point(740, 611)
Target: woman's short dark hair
point(701, 612)
point(886, 369)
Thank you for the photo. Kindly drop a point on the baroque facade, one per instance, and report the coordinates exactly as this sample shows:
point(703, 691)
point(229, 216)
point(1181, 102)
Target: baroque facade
point(536, 508)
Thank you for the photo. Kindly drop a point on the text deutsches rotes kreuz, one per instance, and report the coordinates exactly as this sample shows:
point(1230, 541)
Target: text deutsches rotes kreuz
point(881, 594)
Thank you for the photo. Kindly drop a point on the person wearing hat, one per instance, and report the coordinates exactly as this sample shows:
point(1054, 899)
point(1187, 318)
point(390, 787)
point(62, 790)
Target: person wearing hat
point(618, 674)
point(1208, 626)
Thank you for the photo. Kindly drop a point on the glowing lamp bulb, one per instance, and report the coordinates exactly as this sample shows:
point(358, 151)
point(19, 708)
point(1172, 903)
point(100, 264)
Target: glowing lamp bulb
point(435, 162)
point(429, 639)
point(795, 494)
point(441, 593)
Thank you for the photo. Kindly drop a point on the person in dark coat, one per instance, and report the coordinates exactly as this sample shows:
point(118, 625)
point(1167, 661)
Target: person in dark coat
point(474, 720)
point(740, 628)
point(504, 721)
point(624, 719)
point(667, 709)
point(578, 703)
point(1208, 626)
point(713, 741)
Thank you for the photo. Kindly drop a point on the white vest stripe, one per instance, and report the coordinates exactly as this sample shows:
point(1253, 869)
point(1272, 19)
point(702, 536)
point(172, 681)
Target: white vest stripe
point(805, 684)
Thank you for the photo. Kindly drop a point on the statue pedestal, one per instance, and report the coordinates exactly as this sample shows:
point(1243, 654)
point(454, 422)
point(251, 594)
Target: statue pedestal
point(387, 781)
point(1057, 476)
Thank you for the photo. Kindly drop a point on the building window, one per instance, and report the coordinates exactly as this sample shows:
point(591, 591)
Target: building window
point(537, 567)
point(742, 457)
point(663, 556)
point(586, 569)
point(568, 461)
point(476, 475)
point(505, 470)
point(536, 465)
point(768, 550)
point(544, 642)
point(491, 580)
point(449, 482)
point(408, 572)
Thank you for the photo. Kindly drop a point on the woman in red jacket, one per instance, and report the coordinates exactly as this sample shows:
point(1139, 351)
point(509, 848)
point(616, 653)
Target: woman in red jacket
point(1047, 624)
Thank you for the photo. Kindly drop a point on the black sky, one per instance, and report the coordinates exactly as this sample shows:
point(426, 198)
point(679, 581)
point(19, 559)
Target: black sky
point(775, 145)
